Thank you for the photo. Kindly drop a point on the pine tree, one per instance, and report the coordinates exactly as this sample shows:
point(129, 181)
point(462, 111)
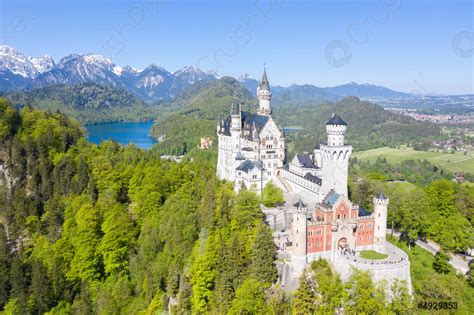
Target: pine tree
point(263, 253)
point(304, 298)
point(249, 298)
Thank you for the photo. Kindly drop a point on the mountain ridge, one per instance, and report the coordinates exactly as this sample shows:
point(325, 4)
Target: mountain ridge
point(152, 84)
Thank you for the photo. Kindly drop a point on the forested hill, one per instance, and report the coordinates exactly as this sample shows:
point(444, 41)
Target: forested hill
point(116, 230)
point(369, 125)
point(211, 99)
point(88, 102)
point(195, 113)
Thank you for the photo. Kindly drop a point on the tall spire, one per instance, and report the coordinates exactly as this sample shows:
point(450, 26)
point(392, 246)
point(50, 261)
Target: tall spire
point(264, 84)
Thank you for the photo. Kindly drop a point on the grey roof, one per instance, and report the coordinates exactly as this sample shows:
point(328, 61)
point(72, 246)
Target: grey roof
point(312, 178)
point(363, 212)
point(380, 195)
point(249, 165)
point(299, 204)
point(317, 147)
point(331, 198)
point(305, 160)
point(336, 120)
point(249, 122)
point(264, 84)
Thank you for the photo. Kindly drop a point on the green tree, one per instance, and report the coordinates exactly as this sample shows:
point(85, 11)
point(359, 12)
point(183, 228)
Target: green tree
point(263, 254)
point(272, 195)
point(249, 298)
point(363, 296)
point(441, 262)
point(305, 298)
point(401, 302)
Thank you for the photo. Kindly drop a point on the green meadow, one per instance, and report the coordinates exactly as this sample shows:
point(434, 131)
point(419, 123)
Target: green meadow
point(453, 162)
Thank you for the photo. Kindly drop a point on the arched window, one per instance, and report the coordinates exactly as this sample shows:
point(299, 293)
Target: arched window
point(318, 232)
point(319, 244)
point(369, 226)
point(361, 227)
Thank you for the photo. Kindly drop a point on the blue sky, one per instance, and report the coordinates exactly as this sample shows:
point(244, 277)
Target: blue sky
point(412, 46)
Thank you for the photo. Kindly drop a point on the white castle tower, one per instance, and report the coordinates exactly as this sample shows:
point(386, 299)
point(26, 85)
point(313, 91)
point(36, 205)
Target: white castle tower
point(298, 253)
point(335, 157)
point(380, 213)
point(264, 96)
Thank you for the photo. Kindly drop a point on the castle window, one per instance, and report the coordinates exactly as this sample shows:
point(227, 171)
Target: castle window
point(361, 227)
point(338, 216)
point(318, 232)
point(368, 237)
point(379, 215)
point(378, 228)
point(319, 244)
point(369, 226)
point(296, 245)
point(361, 238)
point(310, 245)
point(345, 215)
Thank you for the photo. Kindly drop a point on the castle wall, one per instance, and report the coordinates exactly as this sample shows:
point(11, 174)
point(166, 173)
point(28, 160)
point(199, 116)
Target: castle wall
point(379, 271)
point(308, 190)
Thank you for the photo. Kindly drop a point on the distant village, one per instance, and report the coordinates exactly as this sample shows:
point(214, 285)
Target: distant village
point(451, 118)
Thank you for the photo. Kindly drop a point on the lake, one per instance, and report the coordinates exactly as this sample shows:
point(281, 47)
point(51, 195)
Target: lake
point(122, 132)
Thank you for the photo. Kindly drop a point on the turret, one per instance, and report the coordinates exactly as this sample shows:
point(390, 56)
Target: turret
point(336, 129)
point(235, 117)
point(335, 157)
point(298, 254)
point(380, 213)
point(264, 96)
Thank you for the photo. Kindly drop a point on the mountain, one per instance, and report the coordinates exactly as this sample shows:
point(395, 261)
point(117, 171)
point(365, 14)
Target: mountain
point(363, 91)
point(192, 75)
point(194, 113)
point(87, 102)
point(301, 94)
point(18, 72)
point(307, 93)
point(21, 65)
point(80, 69)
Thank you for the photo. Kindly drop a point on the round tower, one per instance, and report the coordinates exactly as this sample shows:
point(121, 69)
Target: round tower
point(336, 129)
point(264, 96)
point(380, 214)
point(298, 253)
point(335, 158)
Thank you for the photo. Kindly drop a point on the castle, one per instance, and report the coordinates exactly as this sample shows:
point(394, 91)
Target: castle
point(325, 223)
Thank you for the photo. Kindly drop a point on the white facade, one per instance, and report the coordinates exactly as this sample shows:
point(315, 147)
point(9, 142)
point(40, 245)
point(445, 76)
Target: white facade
point(246, 136)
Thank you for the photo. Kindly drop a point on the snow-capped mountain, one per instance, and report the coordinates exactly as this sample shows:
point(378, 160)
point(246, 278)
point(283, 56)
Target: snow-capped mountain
point(80, 69)
point(192, 74)
point(19, 64)
point(154, 83)
point(18, 71)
